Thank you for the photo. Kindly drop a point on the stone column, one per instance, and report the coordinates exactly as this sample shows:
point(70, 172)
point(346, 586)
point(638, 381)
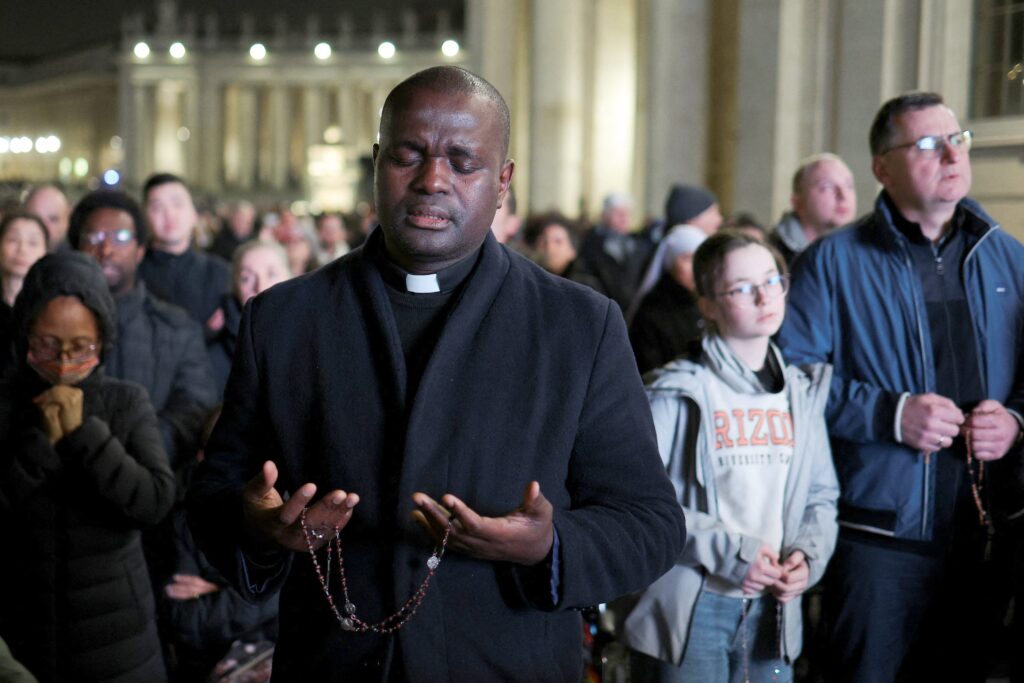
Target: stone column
point(142, 145)
point(611, 143)
point(248, 135)
point(167, 120)
point(127, 127)
point(673, 103)
point(280, 126)
point(210, 134)
point(556, 117)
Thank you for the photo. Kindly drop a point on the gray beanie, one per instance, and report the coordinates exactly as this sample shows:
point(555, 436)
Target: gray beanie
point(686, 201)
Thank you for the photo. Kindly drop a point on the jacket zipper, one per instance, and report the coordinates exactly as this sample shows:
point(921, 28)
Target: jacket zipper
point(926, 499)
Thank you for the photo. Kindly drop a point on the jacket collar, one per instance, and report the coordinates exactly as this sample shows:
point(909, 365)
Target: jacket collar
point(131, 303)
point(976, 222)
point(719, 359)
point(791, 232)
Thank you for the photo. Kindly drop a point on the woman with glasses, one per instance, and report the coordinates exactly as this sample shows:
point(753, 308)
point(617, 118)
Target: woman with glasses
point(743, 438)
point(82, 469)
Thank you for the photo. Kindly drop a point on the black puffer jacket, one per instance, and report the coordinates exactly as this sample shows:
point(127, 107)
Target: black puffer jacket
point(162, 349)
point(75, 599)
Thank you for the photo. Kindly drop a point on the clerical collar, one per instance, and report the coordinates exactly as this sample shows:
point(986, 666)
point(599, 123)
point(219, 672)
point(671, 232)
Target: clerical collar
point(442, 281)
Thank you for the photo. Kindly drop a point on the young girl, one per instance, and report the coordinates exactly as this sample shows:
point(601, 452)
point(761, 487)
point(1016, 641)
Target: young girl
point(743, 437)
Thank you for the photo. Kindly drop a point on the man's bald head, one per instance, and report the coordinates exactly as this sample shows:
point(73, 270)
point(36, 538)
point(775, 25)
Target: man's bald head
point(449, 80)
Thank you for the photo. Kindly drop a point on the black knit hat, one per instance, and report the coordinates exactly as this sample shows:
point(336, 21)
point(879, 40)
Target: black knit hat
point(686, 201)
point(65, 273)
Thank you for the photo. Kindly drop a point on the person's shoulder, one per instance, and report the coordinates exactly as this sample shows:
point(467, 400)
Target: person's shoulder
point(845, 243)
point(813, 379)
point(684, 375)
point(555, 290)
point(167, 313)
point(298, 293)
point(213, 264)
point(121, 394)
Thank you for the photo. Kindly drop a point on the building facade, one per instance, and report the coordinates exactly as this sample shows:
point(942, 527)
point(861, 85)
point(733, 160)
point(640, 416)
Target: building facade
point(606, 96)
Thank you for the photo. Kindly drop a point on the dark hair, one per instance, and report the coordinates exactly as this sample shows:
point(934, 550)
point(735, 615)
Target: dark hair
point(158, 179)
point(743, 221)
point(105, 199)
point(882, 133)
point(709, 258)
point(451, 80)
point(22, 215)
point(535, 225)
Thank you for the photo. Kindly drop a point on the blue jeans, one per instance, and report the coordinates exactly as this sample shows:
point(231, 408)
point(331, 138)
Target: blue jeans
point(723, 646)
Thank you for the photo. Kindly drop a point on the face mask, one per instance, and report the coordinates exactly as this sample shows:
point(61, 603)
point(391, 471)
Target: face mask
point(59, 371)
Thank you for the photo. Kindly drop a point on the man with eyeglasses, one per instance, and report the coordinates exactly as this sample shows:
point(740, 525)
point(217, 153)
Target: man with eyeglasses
point(918, 305)
point(158, 346)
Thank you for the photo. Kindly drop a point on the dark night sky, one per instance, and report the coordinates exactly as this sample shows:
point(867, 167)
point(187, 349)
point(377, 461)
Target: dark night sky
point(31, 30)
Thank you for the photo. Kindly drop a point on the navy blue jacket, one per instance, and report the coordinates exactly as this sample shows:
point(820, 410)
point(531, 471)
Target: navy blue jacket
point(856, 302)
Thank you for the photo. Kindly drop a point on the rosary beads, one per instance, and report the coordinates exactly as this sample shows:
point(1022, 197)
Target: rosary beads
point(349, 621)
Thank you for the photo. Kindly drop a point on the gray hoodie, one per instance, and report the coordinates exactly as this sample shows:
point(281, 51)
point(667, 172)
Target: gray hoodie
point(657, 621)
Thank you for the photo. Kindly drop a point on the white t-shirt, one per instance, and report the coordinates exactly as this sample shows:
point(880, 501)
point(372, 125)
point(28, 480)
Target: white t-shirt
point(751, 450)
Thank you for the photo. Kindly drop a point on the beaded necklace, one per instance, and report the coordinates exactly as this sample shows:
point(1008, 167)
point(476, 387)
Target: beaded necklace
point(349, 621)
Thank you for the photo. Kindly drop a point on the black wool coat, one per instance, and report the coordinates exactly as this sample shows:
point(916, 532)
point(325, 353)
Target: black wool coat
point(666, 323)
point(531, 378)
point(76, 602)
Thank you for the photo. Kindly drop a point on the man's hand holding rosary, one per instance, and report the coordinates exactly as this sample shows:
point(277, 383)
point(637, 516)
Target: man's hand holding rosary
point(523, 536)
point(272, 520)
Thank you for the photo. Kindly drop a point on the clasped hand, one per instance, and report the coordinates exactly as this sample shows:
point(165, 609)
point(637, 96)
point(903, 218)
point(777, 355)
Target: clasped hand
point(61, 409)
point(785, 580)
point(930, 422)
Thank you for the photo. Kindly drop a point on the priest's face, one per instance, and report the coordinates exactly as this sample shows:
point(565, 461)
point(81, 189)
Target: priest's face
point(439, 175)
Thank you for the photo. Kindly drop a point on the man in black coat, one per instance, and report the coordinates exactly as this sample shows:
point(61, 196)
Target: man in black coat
point(172, 269)
point(158, 345)
point(434, 385)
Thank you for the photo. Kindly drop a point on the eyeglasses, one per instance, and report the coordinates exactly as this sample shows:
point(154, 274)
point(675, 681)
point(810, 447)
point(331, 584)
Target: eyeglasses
point(746, 294)
point(51, 348)
point(118, 238)
point(937, 143)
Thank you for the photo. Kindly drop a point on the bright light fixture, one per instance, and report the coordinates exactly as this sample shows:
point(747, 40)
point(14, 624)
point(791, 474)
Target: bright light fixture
point(450, 48)
point(386, 49)
point(258, 51)
point(322, 51)
point(177, 51)
point(141, 49)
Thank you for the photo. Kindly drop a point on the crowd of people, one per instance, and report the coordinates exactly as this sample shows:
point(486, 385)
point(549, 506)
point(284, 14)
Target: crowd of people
point(411, 444)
